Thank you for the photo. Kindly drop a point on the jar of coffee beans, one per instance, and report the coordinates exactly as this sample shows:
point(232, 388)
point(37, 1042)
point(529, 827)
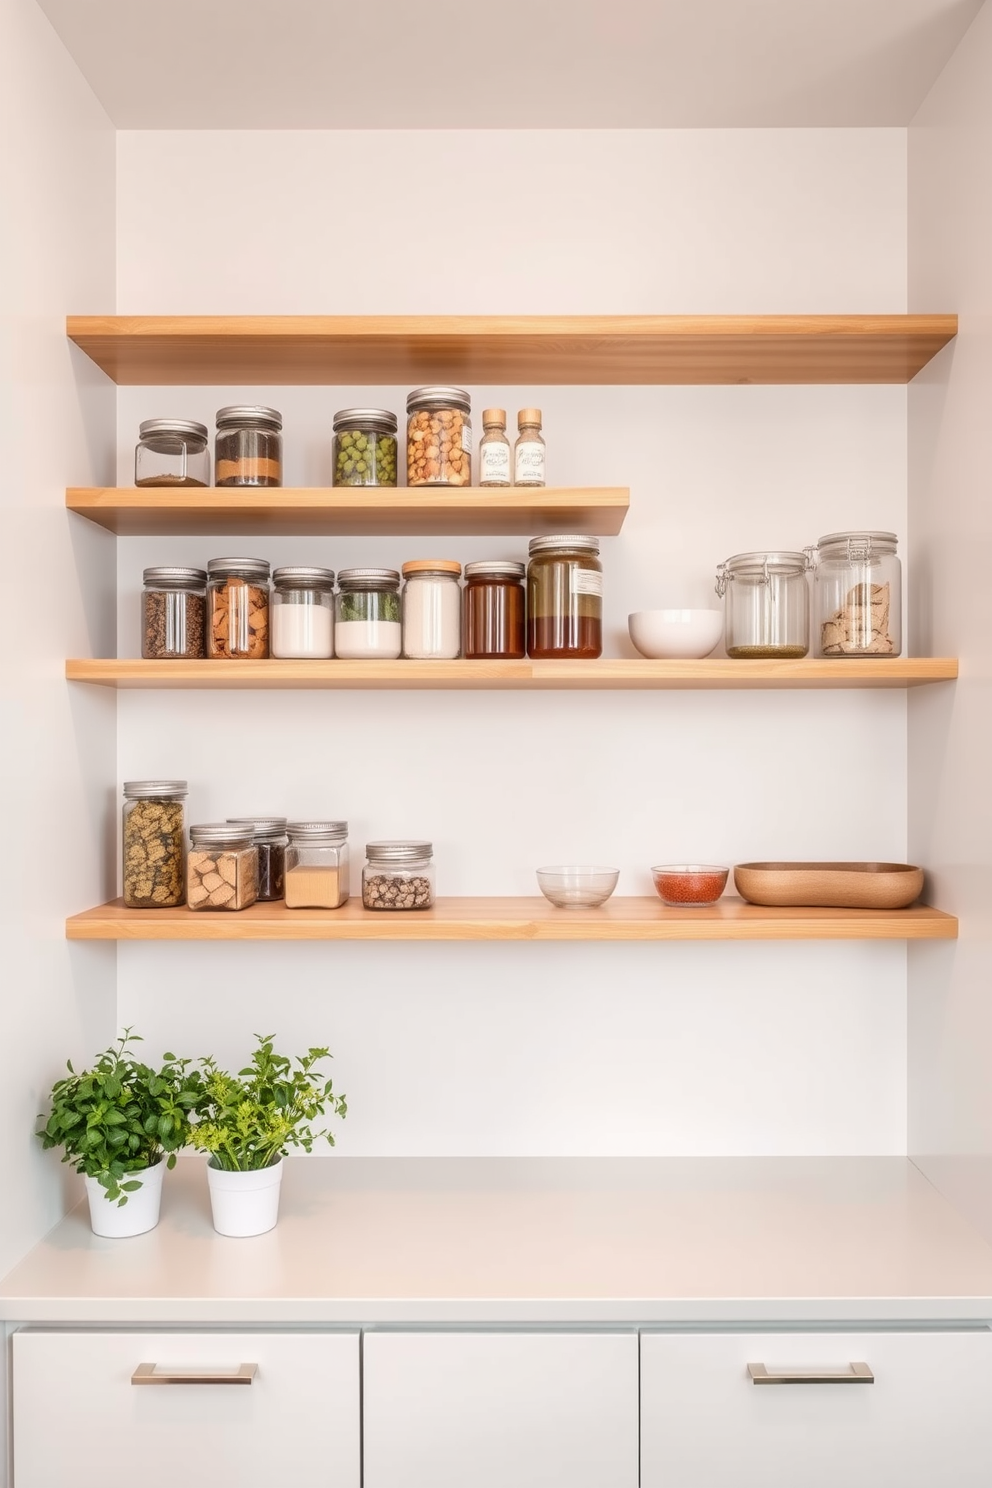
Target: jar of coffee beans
point(398, 875)
point(364, 451)
point(173, 611)
point(439, 437)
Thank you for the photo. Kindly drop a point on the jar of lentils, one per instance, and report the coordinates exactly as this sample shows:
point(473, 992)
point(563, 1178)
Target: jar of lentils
point(494, 607)
point(269, 835)
point(172, 452)
point(173, 613)
point(565, 597)
point(364, 447)
point(248, 447)
point(439, 437)
point(154, 844)
point(238, 608)
point(398, 875)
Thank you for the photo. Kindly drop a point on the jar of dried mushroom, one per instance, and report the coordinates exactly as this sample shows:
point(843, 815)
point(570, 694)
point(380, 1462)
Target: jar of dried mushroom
point(172, 452)
point(367, 615)
point(318, 865)
point(269, 834)
point(398, 875)
point(173, 613)
point(439, 437)
point(222, 867)
point(248, 447)
point(857, 595)
point(364, 448)
point(238, 608)
point(154, 844)
point(766, 605)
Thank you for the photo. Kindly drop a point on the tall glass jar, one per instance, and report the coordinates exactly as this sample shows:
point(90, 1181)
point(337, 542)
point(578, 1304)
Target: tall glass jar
point(564, 597)
point(303, 613)
point(439, 437)
point(172, 452)
point(222, 867)
point(367, 615)
point(494, 610)
point(364, 447)
point(432, 609)
point(766, 605)
point(248, 447)
point(154, 844)
point(857, 595)
point(398, 875)
point(173, 613)
point(318, 865)
point(269, 836)
point(238, 608)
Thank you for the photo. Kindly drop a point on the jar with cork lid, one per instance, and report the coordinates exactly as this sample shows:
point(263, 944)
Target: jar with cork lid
point(529, 450)
point(432, 609)
point(495, 463)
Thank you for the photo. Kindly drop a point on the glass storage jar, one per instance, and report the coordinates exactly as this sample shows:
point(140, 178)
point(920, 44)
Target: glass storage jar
point(154, 844)
point(432, 609)
point(238, 608)
point(494, 609)
point(364, 447)
point(367, 615)
point(222, 867)
point(318, 865)
point(398, 875)
point(564, 597)
point(248, 446)
point(303, 612)
point(857, 594)
point(269, 836)
point(173, 613)
point(172, 452)
point(439, 437)
point(766, 605)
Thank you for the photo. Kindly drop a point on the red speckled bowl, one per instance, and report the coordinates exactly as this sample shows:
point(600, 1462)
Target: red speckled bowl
point(688, 885)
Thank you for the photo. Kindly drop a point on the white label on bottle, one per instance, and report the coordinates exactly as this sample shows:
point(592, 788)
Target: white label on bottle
point(466, 436)
point(494, 463)
point(586, 581)
point(529, 466)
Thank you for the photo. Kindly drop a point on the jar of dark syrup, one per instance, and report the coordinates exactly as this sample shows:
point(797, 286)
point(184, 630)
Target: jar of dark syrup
point(564, 597)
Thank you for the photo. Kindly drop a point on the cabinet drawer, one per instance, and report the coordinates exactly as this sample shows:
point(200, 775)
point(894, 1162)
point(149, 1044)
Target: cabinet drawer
point(491, 1410)
point(79, 1419)
point(926, 1419)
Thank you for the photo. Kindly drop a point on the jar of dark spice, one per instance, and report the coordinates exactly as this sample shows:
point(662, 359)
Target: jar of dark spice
point(238, 608)
point(494, 607)
point(173, 613)
point(364, 449)
point(154, 844)
point(565, 597)
point(172, 452)
point(398, 875)
point(248, 447)
point(269, 834)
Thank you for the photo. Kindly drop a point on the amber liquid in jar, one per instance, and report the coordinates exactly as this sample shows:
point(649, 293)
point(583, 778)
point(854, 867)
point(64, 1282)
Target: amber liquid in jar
point(565, 600)
point(493, 604)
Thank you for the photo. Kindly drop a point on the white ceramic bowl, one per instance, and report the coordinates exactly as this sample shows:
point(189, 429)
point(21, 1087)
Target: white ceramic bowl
point(577, 886)
point(663, 634)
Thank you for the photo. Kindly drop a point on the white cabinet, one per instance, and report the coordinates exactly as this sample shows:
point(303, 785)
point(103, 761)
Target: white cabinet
point(500, 1410)
point(79, 1420)
point(926, 1420)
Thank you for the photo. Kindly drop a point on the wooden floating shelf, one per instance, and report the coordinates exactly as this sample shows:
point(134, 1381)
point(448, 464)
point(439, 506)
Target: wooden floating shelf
point(516, 919)
point(509, 676)
point(350, 512)
point(530, 349)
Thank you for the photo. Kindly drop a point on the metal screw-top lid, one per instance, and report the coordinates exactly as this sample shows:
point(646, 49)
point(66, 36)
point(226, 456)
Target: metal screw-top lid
point(174, 578)
point(249, 413)
point(449, 397)
point(301, 577)
point(584, 543)
point(317, 832)
point(347, 418)
point(398, 852)
point(144, 790)
point(264, 828)
point(189, 428)
point(242, 568)
point(367, 578)
point(495, 568)
point(221, 834)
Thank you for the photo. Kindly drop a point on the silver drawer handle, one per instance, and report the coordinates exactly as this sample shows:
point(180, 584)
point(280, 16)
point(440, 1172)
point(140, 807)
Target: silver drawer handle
point(849, 1374)
point(149, 1374)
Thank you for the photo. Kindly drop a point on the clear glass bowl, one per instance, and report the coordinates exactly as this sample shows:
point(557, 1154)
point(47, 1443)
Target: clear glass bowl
point(577, 886)
point(689, 885)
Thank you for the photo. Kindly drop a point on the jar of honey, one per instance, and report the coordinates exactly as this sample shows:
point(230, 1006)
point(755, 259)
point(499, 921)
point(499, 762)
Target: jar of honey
point(565, 597)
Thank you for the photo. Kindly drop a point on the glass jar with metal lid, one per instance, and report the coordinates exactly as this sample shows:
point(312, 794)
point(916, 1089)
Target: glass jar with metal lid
point(318, 865)
point(564, 597)
point(857, 594)
point(494, 610)
point(439, 437)
point(432, 609)
point(367, 615)
point(364, 447)
point(248, 447)
point(398, 875)
point(222, 866)
point(172, 452)
point(303, 612)
point(154, 844)
point(238, 608)
point(269, 836)
point(766, 605)
point(173, 613)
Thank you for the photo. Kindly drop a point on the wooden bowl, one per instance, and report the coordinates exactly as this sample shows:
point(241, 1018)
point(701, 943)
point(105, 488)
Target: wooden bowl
point(830, 885)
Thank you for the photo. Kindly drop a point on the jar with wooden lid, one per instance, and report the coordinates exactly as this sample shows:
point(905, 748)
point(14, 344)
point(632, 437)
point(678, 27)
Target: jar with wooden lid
point(857, 594)
point(529, 452)
point(154, 844)
point(565, 597)
point(494, 607)
point(248, 446)
point(172, 452)
point(439, 437)
point(495, 456)
point(238, 608)
point(318, 865)
point(398, 875)
point(766, 605)
point(269, 836)
point(173, 613)
point(364, 447)
point(302, 613)
point(367, 622)
point(222, 867)
point(432, 609)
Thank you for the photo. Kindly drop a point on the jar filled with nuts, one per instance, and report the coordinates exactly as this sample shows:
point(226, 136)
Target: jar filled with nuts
point(222, 867)
point(439, 437)
point(398, 875)
point(364, 451)
point(173, 608)
point(238, 605)
point(154, 844)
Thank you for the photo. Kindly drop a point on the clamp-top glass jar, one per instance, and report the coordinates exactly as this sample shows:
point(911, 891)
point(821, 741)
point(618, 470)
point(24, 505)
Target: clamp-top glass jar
point(439, 437)
point(172, 452)
point(857, 590)
point(398, 875)
point(318, 863)
point(766, 603)
point(154, 844)
point(364, 447)
point(565, 597)
point(248, 447)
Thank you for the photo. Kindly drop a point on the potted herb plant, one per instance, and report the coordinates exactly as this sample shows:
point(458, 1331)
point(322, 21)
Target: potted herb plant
point(247, 1122)
point(121, 1124)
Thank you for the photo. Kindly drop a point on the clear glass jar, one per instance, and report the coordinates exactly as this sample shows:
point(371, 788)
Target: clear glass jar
point(364, 447)
point(766, 605)
point(857, 594)
point(432, 609)
point(398, 875)
point(172, 452)
point(248, 446)
point(495, 459)
point(529, 452)
point(564, 597)
point(494, 622)
point(154, 844)
point(303, 613)
point(238, 608)
point(318, 865)
point(173, 613)
point(222, 867)
point(367, 615)
point(439, 437)
point(269, 836)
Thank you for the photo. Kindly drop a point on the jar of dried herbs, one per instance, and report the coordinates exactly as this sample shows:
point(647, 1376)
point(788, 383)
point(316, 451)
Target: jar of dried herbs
point(248, 447)
point(222, 867)
point(367, 615)
point(398, 875)
point(154, 844)
point(173, 613)
point(270, 840)
point(238, 608)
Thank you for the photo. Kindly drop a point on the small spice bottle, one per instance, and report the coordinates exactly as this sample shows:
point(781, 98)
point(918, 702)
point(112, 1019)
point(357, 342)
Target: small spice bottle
point(494, 608)
point(529, 450)
point(238, 608)
point(222, 867)
point(154, 844)
point(398, 875)
point(318, 865)
point(495, 464)
point(367, 615)
point(248, 447)
point(173, 613)
point(303, 612)
point(565, 597)
point(432, 609)
point(364, 448)
point(269, 835)
point(439, 437)
point(171, 452)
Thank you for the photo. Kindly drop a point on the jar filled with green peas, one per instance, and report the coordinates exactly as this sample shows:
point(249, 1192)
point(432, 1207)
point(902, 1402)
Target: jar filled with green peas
point(364, 447)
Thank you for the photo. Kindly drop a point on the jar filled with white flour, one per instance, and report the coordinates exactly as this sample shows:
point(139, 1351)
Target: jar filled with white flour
point(302, 615)
point(432, 609)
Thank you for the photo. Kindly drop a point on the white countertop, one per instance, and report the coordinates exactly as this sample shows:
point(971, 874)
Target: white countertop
point(531, 1240)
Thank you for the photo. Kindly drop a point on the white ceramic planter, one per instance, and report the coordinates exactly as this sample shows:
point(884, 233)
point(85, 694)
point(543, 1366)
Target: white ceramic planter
point(245, 1203)
point(139, 1214)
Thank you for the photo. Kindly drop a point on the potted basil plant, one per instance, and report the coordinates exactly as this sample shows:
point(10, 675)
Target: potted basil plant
point(246, 1124)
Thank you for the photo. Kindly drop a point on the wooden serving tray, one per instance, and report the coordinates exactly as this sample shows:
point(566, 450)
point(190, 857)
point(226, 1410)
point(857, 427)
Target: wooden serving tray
point(830, 885)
